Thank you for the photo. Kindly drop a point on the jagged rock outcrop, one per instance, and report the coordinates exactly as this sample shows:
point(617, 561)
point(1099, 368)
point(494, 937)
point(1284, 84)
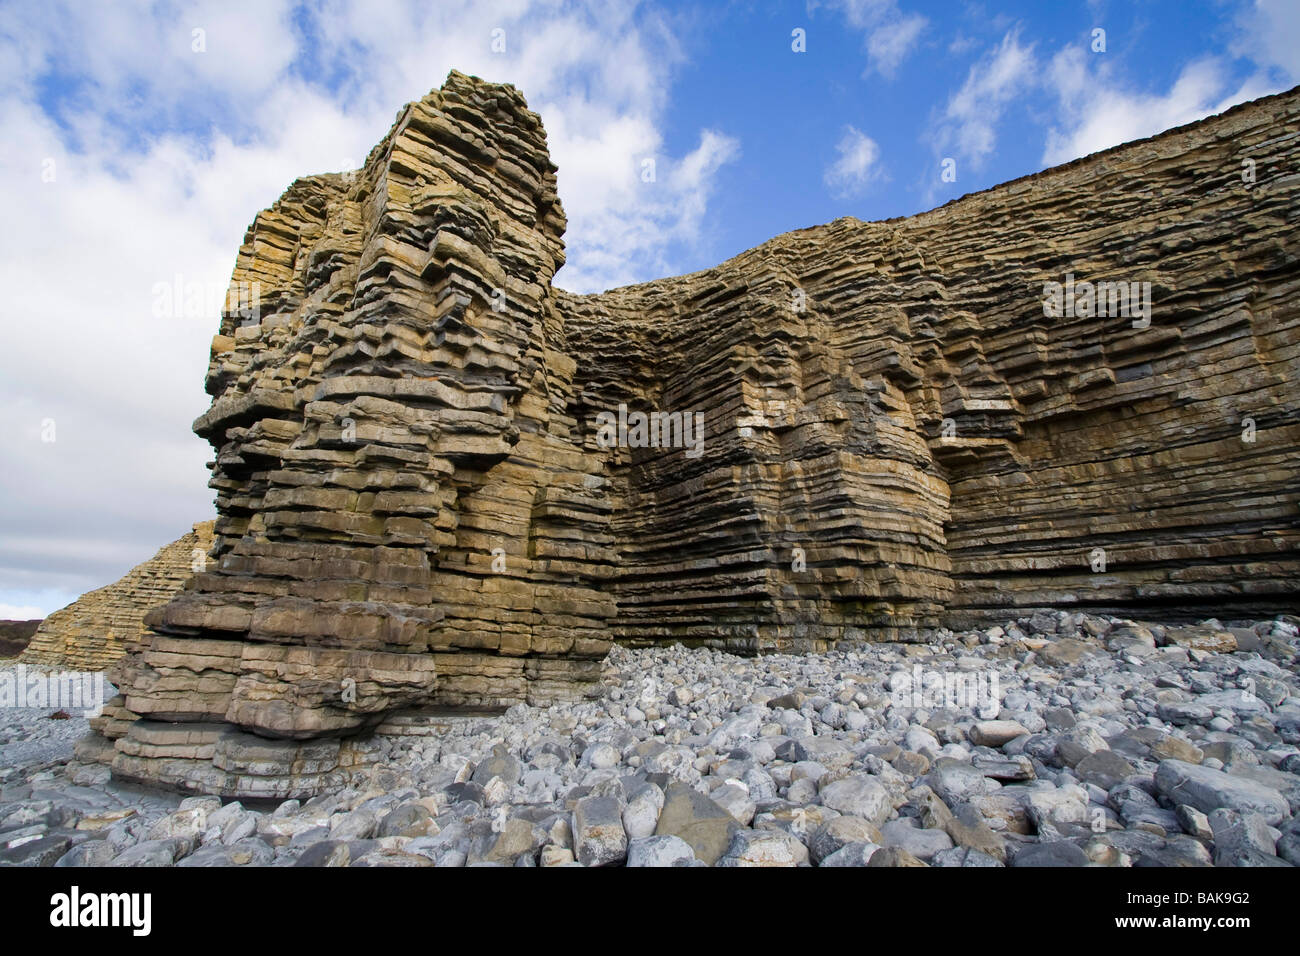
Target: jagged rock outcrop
point(94, 631)
point(433, 487)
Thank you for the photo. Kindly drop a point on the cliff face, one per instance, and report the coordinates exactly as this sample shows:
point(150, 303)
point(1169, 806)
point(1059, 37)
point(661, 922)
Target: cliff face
point(937, 446)
point(434, 484)
point(94, 631)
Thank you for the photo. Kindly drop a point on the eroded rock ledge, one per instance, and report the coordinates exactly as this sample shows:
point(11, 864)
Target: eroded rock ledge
point(415, 505)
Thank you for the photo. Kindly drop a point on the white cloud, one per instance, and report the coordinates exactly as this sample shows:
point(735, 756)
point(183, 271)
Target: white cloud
point(1093, 106)
point(968, 125)
point(856, 165)
point(20, 612)
point(623, 228)
point(861, 14)
point(889, 44)
point(962, 44)
point(891, 34)
point(1271, 36)
point(1096, 112)
point(163, 156)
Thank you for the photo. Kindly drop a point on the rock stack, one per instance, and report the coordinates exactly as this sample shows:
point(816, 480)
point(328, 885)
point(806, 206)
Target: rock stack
point(407, 511)
point(95, 630)
point(442, 481)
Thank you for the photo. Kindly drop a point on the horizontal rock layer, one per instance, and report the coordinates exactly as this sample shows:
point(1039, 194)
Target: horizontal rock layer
point(940, 450)
point(424, 497)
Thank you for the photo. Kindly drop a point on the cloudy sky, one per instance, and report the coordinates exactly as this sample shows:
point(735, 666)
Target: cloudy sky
point(140, 138)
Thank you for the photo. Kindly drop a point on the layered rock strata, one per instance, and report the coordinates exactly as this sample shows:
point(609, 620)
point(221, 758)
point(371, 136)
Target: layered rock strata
point(899, 436)
point(433, 487)
point(94, 631)
point(407, 509)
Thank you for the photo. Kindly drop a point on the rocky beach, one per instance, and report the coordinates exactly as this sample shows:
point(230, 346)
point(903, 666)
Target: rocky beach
point(1106, 743)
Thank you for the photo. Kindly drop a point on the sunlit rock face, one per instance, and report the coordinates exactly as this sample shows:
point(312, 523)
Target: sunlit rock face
point(440, 480)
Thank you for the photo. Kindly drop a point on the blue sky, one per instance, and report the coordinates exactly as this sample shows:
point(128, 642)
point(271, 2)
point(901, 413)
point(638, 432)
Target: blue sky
point(142, 137)
point(790, 112)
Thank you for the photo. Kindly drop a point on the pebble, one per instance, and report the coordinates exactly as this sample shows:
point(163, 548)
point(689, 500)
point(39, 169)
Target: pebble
point(764, 848)
point(995, 733)
point(1114, 743)
point(851, 854)
point(660, 851)
point(1208, 790)
point(860, 796)
point(598, 834)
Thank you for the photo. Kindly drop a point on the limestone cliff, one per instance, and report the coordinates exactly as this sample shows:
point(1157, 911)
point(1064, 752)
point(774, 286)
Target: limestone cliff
point(94, 631)
point(422, 497)
point(936, 446)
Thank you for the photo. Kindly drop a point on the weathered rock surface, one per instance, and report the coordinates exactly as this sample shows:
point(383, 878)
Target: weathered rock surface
point(95, 630)
point(1209, 790)
point(419, 504)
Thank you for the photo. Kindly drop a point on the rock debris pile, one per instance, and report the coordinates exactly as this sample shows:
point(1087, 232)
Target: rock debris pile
point(1072, 740)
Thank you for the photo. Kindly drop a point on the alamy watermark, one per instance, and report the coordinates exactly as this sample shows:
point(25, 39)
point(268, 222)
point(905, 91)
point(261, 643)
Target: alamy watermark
point(66, 690)
point(179, 299)
point(1105, 299)
point(626, 429)
point(74, 908)
point(974, 691)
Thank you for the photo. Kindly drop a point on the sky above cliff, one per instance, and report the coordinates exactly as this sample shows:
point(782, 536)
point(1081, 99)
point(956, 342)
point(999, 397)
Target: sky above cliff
point(141, 138)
